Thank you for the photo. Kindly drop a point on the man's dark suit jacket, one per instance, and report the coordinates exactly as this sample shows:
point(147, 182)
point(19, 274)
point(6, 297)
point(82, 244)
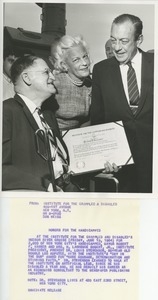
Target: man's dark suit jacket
point(23, 167)
point(109, 104)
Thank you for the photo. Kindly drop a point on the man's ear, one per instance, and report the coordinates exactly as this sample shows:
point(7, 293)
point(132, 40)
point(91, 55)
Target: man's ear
point(140, 40)
point(26, 78)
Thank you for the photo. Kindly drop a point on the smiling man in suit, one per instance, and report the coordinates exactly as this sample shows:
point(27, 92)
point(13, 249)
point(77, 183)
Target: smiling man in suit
point(122, 89)
point(25, 166)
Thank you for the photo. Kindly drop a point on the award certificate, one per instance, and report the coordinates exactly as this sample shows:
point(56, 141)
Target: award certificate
point(91, 147)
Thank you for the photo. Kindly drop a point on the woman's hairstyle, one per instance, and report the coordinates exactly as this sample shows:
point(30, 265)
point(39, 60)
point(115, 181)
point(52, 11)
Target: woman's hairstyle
point(60, 47)
point(21, 64)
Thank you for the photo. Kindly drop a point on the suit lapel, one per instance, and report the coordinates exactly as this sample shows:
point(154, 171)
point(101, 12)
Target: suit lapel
point(27, 112)
point(147, 76)
point(49, 118)
point(146, 80)
point(28, 115)
point(119, 88)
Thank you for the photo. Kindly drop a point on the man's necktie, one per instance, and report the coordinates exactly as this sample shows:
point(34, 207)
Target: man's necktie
point(133, 91)
point(53, 141)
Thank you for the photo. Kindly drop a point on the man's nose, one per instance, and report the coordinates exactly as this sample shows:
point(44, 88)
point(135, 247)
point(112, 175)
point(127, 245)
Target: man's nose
point(118, 45)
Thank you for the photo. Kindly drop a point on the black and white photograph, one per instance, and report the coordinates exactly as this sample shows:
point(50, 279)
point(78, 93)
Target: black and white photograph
point(71, 73)
point(79, 193)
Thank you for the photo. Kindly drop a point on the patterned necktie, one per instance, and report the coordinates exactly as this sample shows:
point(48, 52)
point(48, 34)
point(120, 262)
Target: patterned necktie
point(53, 141)
point(133, 91)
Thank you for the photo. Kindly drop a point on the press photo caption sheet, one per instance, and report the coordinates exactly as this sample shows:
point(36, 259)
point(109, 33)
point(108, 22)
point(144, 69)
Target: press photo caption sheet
point(70, 249)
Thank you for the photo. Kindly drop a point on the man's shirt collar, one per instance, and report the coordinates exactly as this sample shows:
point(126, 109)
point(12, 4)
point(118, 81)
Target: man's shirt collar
point(30, 104)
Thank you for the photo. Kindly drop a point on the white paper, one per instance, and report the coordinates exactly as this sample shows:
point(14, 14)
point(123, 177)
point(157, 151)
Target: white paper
point(70, 249)
point(91, 147)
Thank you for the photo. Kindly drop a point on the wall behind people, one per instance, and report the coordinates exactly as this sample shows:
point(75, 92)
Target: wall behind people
point(93, 21)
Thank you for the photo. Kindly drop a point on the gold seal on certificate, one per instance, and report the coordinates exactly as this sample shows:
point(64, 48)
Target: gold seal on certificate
point(80, 165)
point(90, 147)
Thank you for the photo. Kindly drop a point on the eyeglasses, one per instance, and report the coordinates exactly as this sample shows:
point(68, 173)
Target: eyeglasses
point(45, 72)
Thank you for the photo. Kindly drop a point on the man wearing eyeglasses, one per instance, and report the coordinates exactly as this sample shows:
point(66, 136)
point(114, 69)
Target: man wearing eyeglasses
point(34, 155)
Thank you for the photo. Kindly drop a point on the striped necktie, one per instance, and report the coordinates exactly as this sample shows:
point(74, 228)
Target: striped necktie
point(133, 91)
point(53, 140)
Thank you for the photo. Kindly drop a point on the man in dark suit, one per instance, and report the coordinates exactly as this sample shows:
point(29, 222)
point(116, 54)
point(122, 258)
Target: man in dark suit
point(112, 99)
point(25, 166)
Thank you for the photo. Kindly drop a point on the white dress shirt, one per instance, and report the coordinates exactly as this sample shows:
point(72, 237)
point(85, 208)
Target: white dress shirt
point(57, 164)
point(136, 64)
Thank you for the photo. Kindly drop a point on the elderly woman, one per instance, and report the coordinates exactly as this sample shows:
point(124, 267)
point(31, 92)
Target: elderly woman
point(72, 64)
point(71, 61)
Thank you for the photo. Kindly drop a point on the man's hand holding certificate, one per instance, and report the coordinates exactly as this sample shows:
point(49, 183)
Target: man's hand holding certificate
point(90, 147)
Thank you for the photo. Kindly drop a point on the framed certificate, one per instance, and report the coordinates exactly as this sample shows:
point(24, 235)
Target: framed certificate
point(91, 147)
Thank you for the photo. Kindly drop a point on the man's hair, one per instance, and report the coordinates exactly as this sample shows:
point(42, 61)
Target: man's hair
point(20, 65)
point(60, 47)
point(134, 20)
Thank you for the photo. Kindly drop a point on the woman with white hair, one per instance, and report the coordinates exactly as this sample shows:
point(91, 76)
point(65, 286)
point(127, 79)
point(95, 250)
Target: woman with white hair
point(71, 61)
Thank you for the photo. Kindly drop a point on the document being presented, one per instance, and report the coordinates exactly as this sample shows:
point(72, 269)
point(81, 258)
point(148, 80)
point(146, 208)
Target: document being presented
point(91, 147)
point(70, 249)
